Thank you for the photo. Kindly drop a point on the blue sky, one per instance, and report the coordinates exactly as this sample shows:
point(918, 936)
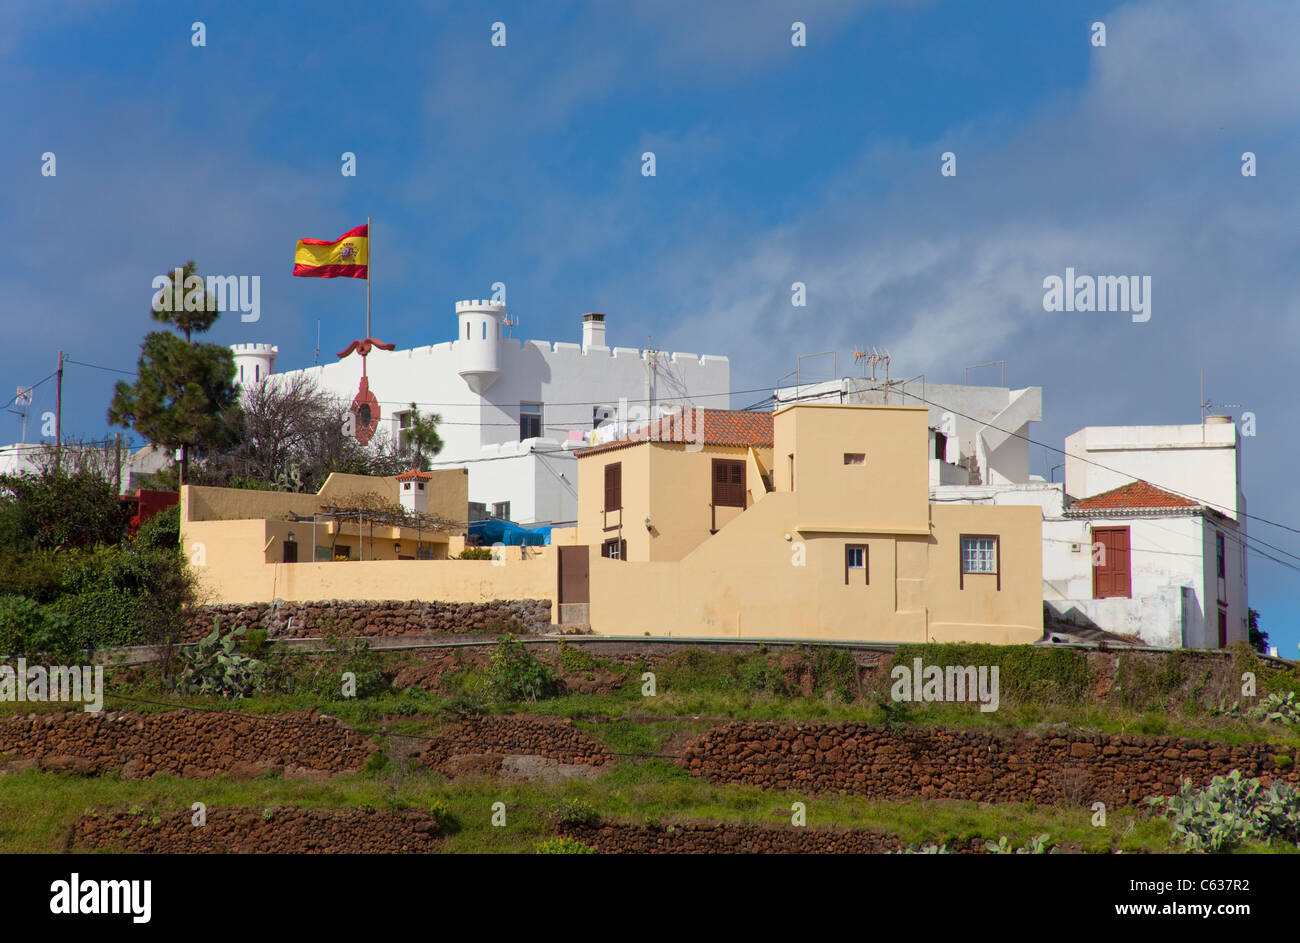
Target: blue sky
point(774, 164)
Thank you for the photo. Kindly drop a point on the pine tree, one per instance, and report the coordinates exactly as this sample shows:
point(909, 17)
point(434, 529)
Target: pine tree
point(422, 436)
point(185, 396)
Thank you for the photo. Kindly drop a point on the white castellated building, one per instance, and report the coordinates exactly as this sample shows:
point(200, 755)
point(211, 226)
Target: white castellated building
point(254, 361)
point(513, 411)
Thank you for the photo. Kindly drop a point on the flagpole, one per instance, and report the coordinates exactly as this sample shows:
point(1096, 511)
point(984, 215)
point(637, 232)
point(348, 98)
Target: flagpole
point(368, 254)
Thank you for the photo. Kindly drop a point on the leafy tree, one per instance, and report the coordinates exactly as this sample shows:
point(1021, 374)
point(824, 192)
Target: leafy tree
point(184, 397)
point(59, 509)
point(422, 437)
point(1258, 639)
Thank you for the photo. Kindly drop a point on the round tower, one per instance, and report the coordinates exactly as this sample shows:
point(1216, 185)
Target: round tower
point(478, 342)
point(253, 362)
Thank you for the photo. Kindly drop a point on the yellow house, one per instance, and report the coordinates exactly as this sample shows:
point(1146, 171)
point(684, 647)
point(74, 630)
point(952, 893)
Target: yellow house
point(256, 546)
point(819, 528)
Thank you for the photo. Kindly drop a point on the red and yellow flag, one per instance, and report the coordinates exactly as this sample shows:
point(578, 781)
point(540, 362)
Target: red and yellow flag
point(348, 256)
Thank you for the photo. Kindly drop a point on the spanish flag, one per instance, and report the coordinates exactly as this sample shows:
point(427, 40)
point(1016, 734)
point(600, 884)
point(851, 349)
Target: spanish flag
point(348, 256)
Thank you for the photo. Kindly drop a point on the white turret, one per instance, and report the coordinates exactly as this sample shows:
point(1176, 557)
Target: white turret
point(253, 362)
point(478, 342)
point(413, 490)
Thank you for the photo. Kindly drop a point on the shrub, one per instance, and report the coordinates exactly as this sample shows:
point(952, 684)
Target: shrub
point(474, 553)
point(160, 532)
point(442, 814)
point(577, 812)
point(760, 676)
point(515, 675)
point(563, 846)
point(1229, 811)
point(34, 631)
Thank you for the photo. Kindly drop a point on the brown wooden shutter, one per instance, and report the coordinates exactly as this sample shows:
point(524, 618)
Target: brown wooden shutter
point(1113, 577)
point(728, 483)
point(613, 486)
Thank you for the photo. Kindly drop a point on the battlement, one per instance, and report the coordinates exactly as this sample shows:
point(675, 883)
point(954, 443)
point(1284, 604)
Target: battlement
point(259, 349)
point(495, 307)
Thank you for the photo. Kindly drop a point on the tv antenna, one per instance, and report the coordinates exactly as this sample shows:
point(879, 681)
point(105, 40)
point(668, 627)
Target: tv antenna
point(1206, 406)
point(318, 343)
point(23, 399)
point(509, 323)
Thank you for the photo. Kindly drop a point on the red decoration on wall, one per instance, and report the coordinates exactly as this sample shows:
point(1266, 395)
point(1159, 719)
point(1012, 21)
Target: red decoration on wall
point(365, 407)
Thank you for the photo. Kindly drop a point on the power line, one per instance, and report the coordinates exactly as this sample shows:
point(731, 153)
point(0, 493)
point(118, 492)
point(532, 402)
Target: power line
point(82, 363)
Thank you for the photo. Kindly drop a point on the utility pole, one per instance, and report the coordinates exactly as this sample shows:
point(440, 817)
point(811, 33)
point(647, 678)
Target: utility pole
point(58, 418)
point(117, 462)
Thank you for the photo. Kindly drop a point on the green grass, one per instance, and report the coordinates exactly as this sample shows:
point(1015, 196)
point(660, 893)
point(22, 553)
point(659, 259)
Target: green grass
point(37, 810)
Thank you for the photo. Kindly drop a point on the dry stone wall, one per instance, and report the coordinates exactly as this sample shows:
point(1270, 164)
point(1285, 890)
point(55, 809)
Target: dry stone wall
point(192, 744)
point(494, 737)
point(372, 618)
point(288, 830)
point(738, 839)
point(976, 765)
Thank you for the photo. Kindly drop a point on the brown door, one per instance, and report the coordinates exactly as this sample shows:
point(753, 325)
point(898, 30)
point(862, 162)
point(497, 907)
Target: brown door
point(1110, 565)
point(575, 573)
point(1223, 629)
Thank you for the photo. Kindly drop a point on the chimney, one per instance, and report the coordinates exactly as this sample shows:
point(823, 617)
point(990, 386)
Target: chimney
point(593, 330)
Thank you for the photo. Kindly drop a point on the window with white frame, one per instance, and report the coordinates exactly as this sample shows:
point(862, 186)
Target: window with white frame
point(530, 421)
point(979, 554)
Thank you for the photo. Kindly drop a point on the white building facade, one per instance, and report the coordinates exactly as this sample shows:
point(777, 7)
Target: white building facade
point(514, 411)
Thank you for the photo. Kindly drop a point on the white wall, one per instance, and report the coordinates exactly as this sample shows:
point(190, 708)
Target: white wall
point(1198, 461)
point(561, 376)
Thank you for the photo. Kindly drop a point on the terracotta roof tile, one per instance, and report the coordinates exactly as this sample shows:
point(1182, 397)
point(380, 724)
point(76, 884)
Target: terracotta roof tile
point(1139, 494)
point(725, 427)
point(412, 475)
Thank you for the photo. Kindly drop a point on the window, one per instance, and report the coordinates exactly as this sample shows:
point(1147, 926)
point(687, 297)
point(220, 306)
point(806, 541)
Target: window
point(791, 457)
point(614, 486)
point(1223, 629)
point(466, 330)
point(614, 549)
point(291, 551)
point(478, 511)
point(855, 565)
point(404, 430)
point(501, 510)
point(530, 421)
point(979, 556)
point(941, 446)
point(241, 374)
point(855, 458)
point(1111, 569)
point(485, 330)
point(728, 483)
point(1220, 555)
point(257, 372)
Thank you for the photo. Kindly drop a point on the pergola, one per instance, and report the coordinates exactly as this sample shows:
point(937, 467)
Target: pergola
point(384, 516)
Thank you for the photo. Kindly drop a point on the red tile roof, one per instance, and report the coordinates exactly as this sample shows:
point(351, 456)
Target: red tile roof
point(412, 475)
point(724, 427)
point(1139, 494)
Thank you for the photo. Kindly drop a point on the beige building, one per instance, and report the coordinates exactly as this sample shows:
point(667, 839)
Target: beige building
point(256, 546)
point(813, 522)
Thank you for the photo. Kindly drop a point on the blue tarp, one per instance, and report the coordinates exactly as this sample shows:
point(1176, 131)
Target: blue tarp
point(511, 535)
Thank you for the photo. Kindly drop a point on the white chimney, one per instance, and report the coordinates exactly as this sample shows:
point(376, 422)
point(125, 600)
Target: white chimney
point(593, 331)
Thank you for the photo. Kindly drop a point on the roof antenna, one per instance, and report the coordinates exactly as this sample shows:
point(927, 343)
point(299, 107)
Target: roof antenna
point(318, 343)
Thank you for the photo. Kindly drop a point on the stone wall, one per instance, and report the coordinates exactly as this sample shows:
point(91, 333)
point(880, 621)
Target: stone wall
point(373, 618)
point(976, 765)
point(491, 738)
point(287, 830)
point(738, 839)
point(193, 744)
